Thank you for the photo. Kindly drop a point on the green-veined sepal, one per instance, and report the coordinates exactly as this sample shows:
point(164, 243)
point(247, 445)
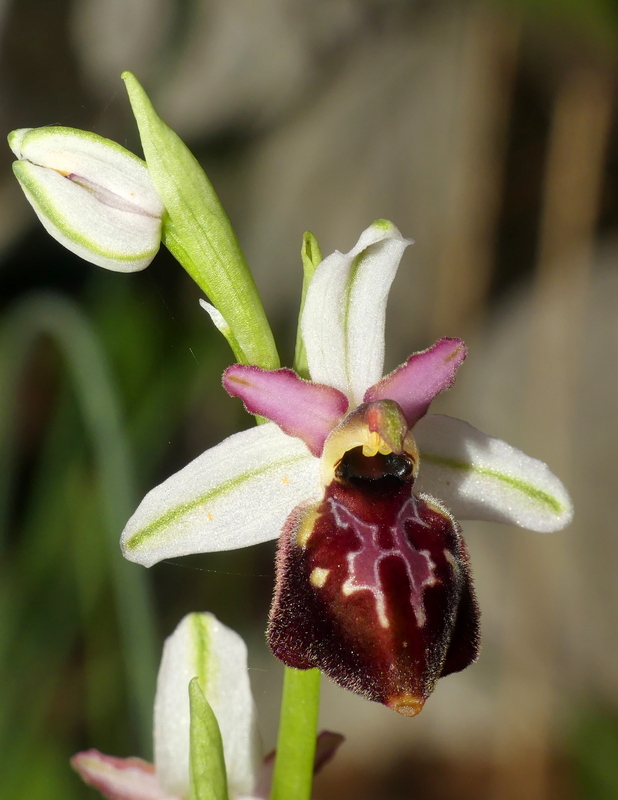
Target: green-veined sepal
point(344, 312)
point(480, 477)
point(233, 495)
point(201, 647)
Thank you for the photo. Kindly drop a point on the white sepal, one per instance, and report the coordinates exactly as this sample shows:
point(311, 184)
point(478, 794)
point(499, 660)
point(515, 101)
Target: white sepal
point(344, 312)
point(479, 477)
point(203, 647)
point(93, 196)
point(235, 494)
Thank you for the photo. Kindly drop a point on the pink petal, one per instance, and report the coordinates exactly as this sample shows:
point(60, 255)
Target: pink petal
point(119, 778)
point(423, 376)
point(300, 408)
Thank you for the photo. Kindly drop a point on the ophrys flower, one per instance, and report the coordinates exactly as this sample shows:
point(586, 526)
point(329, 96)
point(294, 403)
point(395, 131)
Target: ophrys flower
point(200, 647)
point(373, 582)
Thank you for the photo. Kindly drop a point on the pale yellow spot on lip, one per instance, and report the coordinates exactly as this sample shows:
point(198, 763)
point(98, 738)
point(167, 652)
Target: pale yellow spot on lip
point(305, 528)
point(318, 577)
point(451, 560)
point(285, 479)
point(407, 704)
point(209, 517)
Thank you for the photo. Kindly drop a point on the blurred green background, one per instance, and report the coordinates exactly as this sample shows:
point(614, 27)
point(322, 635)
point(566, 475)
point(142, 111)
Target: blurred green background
point(486, 131)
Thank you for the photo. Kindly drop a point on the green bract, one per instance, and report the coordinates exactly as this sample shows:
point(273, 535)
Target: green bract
point(109, 207)
point(198, 232)
point(93, 196)
point(206, 762)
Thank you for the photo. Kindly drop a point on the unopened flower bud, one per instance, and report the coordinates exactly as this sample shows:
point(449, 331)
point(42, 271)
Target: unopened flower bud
point(92, 195)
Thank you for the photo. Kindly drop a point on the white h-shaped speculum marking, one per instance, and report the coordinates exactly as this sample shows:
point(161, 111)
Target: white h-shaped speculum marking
point(368, 577)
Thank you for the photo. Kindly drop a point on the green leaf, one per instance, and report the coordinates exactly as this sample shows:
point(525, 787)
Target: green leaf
point(207, 763)
point(198, 233)
point(311, 256)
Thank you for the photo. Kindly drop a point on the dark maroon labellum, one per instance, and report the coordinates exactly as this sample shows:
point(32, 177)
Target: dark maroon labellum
point(373, 586)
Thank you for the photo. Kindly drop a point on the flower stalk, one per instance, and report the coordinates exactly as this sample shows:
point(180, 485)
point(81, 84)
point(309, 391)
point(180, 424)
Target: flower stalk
point(296, 740)
point(300, 700)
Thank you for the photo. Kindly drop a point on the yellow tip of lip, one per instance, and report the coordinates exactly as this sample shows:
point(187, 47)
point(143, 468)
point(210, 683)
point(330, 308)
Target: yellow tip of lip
point(407, 704)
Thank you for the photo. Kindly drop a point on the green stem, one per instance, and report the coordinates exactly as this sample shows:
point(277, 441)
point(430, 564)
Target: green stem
point(300, 702)
point(298, 725)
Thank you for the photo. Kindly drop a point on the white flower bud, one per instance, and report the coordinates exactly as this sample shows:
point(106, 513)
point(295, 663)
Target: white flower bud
point(92, 195)
point(205, 648)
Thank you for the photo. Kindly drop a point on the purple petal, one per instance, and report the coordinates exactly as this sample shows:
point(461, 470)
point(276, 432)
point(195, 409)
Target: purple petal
point(119, 778)
point(423, 376)
point(300, 408)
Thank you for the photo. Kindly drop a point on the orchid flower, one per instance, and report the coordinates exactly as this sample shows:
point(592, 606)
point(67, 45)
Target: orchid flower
point(373, 584)
point(201, 647)
point(92, 195)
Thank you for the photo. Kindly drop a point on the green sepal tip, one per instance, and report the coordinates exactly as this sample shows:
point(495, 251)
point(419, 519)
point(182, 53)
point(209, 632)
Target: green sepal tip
point(311, 256)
